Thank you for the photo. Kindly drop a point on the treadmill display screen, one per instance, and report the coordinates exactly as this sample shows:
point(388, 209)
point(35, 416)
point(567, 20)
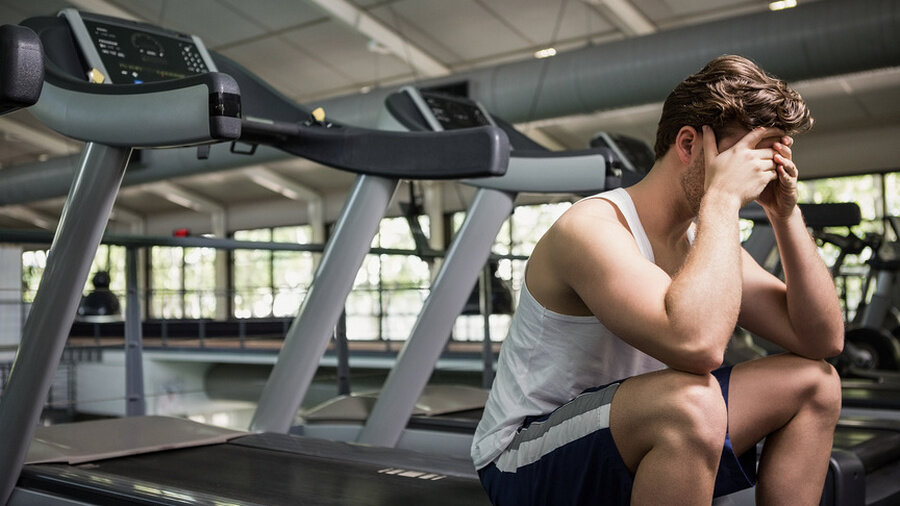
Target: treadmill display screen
point(134, 56)
point(453, 113)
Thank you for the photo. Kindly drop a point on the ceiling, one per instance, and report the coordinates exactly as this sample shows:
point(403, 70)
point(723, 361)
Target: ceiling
point(315, 49)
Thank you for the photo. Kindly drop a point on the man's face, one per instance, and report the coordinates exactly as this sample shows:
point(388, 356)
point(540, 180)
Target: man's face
point(693, 180)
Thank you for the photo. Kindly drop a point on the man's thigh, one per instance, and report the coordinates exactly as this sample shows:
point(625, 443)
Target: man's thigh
point(648, 405)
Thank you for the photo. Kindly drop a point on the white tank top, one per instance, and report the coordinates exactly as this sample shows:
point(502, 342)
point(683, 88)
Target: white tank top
point(549, 358)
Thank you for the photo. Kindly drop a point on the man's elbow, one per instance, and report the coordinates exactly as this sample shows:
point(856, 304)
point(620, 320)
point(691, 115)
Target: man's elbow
point(833, 345)
point(826, 344)
point(700, 359)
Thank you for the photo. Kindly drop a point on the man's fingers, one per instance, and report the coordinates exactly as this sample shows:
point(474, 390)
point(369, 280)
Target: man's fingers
point(787, 164)
point(783, 149)
point(757, 134)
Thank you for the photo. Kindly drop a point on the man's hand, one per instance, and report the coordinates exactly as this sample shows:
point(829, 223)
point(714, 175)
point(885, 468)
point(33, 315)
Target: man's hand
point(743, 170)
point(780, 196)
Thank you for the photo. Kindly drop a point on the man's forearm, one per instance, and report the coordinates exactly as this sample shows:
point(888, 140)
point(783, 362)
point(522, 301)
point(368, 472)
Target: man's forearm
point(705, 296)
point(812, 301)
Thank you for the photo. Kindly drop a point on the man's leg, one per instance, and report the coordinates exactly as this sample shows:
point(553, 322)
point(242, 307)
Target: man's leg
point(794, 403)
point(669, 428)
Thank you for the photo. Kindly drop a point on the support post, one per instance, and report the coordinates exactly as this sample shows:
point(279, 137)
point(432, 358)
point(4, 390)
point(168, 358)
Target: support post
point(343, 355)
point(449, 292)
point(135, 404)
point(487, 307)
point(46, 329)
point(311, 330)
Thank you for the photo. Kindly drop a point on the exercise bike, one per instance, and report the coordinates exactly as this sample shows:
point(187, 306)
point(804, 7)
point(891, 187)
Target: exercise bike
point(873, 335)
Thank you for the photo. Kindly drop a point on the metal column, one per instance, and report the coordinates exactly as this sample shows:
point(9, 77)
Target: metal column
point(487, 307)
point(449, 292)
point(135, 404)
point(44, 335)
point(308, 337)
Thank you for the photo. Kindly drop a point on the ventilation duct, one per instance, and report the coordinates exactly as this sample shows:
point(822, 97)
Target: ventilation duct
point(815, 40)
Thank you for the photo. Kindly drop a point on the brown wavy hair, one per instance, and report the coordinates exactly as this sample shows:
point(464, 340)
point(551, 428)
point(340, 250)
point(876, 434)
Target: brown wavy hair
point(731, 91)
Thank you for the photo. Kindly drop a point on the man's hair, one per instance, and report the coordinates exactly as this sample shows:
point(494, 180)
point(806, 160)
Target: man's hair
point(730, 91)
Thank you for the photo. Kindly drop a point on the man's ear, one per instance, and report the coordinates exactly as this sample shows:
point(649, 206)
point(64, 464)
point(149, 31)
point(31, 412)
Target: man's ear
point(688, 143)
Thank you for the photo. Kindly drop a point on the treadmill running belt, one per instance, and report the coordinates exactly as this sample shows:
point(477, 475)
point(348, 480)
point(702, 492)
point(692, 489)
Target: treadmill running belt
point(236, 474)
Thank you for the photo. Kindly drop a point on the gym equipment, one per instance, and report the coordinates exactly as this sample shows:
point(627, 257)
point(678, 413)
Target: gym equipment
point(196, 109)
point(636, 155)
point(21, 68)
point(871, 358)
point(532, 169)
point(880, 314)
point(201, 108)
point(875, 329)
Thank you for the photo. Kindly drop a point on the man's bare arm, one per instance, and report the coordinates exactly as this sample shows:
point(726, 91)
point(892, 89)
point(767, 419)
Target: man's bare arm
point(802, 315)
point(684, 321)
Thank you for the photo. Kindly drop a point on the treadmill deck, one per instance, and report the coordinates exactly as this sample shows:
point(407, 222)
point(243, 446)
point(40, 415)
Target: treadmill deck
point(266, 469)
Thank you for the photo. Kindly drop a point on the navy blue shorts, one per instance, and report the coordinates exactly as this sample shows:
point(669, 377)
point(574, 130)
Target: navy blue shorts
point(569, 457)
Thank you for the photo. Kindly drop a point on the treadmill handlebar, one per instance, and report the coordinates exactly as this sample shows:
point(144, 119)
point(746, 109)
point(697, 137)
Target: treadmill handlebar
point(192, 110)
point(21, 67)
point(456, 154)
point(583, 172)
point(601, 154)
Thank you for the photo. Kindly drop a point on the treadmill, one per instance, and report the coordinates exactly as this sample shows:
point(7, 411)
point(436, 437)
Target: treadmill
point(158, 460)
point(21, 68)
point(447, 415)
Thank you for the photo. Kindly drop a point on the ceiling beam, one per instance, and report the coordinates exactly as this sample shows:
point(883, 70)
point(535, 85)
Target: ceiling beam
point(288, 188)
point(367, 25)
point(315, 203)
point(104, 7)
point(119, 213)
point(540, 137)
point(27, 215)
point(135, 221)
point(184, 197)
point(38, 138)
point(625, 16)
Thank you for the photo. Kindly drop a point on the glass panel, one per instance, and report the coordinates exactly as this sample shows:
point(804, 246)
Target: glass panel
point(394, 233)
point(892, 193)
point(166, 282)
point(200, 282)
point(33, 265)
point(292, 271)
point(252, 274)
point(530, 223)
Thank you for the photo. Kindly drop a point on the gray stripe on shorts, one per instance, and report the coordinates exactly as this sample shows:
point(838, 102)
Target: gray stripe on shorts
point(581, 416)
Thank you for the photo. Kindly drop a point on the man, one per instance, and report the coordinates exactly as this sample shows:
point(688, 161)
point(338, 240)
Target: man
point(639, 290)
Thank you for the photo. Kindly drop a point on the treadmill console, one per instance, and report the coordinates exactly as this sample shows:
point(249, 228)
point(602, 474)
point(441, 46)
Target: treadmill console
point(453, 113)
point(132, 53)
point(635, 153)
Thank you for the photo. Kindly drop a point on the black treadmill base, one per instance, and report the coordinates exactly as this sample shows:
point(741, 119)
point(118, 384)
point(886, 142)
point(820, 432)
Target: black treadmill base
point(238, 474)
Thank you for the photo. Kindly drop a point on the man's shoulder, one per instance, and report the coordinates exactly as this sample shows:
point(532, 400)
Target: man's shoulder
point(589, 216)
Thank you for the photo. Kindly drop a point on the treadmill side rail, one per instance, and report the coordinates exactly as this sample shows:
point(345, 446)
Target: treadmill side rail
point(845, 483)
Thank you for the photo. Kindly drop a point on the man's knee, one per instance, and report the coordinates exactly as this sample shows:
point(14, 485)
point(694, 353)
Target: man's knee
point(817, 386)
point(824, 389)
point(699, 412)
